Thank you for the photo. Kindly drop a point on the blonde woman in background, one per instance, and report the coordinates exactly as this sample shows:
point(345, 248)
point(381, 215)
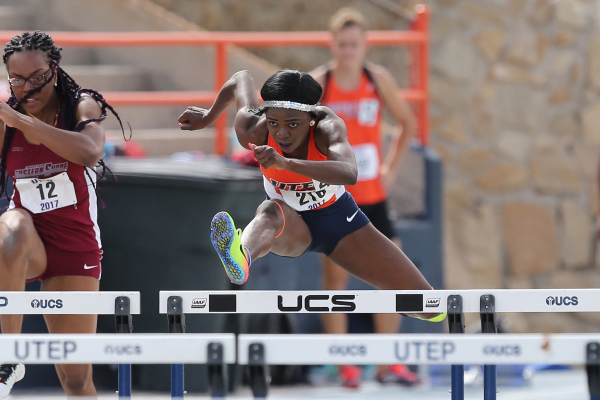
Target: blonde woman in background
point(357, 91)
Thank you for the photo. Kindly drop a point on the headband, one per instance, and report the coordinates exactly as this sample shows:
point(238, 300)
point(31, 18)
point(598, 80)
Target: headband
point(292, 105)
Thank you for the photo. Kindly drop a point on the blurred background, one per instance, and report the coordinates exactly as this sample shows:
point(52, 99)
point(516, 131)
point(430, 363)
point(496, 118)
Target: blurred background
point(514, 101)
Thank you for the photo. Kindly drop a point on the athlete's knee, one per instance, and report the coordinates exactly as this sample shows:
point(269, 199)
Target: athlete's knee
point(77, 379)
point(15, 229)
point(270, 210)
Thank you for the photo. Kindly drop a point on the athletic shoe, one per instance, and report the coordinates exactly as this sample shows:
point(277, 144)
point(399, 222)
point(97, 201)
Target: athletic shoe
point(399, 374)
point(226, 241)
point(9, 375)
point(350, 376)
point(437, 318)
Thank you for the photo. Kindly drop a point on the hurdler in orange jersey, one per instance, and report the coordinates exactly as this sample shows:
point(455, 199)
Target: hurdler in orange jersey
point(360, 108)
point(304, 154)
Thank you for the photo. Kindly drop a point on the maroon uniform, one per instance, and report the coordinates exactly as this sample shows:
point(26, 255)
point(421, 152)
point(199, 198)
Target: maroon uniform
point(61, 198)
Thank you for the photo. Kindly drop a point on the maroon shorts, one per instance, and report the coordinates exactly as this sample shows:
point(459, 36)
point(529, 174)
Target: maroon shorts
point(62, 263)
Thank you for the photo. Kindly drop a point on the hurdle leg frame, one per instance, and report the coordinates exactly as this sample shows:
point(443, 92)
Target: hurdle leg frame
point(456, 324)
point(217, 378)
point(487, 314)
point(257, 369)
point(176, 320)
point(124, 324)
point(592, 369)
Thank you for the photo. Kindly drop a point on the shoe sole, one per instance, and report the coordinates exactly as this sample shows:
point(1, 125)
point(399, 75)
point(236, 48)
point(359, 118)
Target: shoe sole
point(222, 234)
point(20, 376)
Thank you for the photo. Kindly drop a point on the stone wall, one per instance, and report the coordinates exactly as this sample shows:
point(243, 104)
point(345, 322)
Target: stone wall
point(515, 111)
point(514, 114)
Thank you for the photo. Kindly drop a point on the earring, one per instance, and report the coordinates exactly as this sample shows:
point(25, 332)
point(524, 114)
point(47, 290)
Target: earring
point(312, 122)
point(56, 84)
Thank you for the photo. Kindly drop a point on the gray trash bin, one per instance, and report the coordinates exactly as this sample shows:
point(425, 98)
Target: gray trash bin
point(155, 223)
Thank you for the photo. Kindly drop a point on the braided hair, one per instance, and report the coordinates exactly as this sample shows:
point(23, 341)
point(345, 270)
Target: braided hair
point(69, 92)
point(291, 85)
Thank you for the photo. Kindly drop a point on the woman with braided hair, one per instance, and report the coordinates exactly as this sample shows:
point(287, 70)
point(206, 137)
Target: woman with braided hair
point(51, 142)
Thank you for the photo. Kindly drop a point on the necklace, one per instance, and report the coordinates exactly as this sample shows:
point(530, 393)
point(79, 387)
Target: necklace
point(55, 117)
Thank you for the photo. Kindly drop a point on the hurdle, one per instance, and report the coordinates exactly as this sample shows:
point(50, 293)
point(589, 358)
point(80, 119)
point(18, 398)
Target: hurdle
point(258, 351)
point(217, 377)
point(455, 302)
point(110, 348)
point(121, 304)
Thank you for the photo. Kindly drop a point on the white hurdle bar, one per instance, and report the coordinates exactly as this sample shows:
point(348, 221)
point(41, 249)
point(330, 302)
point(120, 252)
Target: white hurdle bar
point(421, 349)
point(259, 351)
point(455, 302)
point(216, 350)
point(43, 302)
point(136, 348)
point(380, 301)
point(120, 304)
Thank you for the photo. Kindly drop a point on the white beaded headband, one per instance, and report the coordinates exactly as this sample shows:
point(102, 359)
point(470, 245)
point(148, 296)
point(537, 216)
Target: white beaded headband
point(290, 105)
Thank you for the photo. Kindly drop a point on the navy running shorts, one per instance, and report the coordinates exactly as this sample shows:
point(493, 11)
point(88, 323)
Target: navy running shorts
point(331, 224)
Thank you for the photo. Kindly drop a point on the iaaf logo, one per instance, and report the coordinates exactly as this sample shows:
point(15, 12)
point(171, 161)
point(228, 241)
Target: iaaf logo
point(51, 303)
point(198, 303)
point(432, 303)
point(562, 300)
point(340, 302)
point(3, 301)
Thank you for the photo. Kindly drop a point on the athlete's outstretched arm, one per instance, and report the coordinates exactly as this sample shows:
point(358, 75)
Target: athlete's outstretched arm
point(239, 88)
point(83, 148)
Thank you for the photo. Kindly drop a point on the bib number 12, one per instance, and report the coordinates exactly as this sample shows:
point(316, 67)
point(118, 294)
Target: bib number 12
point(50, 186)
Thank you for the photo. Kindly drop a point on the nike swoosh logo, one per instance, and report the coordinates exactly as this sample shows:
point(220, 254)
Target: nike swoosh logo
point(349, 219)
point(85, 266)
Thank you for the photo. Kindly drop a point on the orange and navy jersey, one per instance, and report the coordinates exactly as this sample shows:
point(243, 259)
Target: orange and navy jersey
point(59, 195)
point(298, 191)
point(360, 109)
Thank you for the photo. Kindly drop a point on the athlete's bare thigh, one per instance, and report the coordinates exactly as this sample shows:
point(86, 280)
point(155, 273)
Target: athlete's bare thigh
point(295, 237)
point(18, 237)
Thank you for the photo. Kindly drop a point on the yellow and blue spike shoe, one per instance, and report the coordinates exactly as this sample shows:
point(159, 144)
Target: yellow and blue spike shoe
point(437, 318)
point(227, 242)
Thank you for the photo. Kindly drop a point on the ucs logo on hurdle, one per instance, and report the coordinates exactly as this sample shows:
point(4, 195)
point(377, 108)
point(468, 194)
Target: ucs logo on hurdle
point(338, 302)
point(562, 300)
point(46, 303)
point(131, 350)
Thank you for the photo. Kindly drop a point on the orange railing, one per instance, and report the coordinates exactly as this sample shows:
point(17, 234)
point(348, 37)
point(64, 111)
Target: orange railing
point(417, 37)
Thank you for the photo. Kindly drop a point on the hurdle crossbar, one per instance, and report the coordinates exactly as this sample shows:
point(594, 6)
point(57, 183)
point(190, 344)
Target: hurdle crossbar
point(380, 301)
point(69, 302)
point(113, 349)
point(330, 349)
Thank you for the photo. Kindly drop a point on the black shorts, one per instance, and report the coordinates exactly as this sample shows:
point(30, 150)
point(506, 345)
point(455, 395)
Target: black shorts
point(331, 224)
point(379, 216)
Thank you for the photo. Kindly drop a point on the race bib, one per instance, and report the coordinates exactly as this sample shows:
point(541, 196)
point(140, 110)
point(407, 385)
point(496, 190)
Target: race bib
point(368, 110)
point(42, 195)
point(367, 161)
point(309, 199)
